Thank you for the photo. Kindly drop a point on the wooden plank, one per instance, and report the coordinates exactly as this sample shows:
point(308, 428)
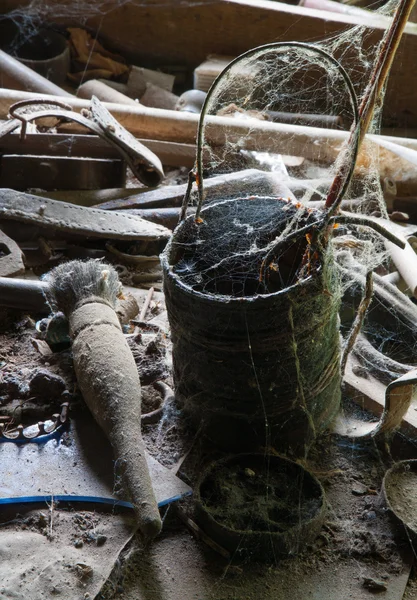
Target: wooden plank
point(185, 33)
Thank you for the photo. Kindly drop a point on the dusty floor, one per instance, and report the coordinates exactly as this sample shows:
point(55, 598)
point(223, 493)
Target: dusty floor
point(359, 553)
point(359, 550)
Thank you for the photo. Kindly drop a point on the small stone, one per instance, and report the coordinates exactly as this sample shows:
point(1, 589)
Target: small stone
point(359, 489)
point(55, 590)
point(369, 515)
point(374, 585)
point(101, 540)
point(84, 571)
point(78, 543)
point(46, 384)
point(249, 473)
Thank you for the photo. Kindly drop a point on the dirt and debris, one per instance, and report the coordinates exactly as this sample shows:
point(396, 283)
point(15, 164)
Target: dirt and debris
point(264, 497)
point(41, 559)
point(358, 535)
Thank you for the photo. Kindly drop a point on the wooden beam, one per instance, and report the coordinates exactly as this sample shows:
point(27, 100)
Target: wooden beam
point(185, 33)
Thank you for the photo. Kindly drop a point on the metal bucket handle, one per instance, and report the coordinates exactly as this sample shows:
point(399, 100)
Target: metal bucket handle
point(198, 174)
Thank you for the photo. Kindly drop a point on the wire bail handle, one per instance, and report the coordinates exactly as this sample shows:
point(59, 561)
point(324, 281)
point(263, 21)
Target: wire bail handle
point(197, 173)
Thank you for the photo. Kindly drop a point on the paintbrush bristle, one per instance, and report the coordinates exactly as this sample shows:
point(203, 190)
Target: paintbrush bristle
point(78, 280)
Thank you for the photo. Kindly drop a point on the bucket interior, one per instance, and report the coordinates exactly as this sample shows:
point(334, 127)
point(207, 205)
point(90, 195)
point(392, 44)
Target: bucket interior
point(243, 247)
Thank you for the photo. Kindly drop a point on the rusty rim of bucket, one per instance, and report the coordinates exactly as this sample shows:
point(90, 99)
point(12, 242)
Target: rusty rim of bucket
point(168, 264)
point(259, 544)
point(392, 486)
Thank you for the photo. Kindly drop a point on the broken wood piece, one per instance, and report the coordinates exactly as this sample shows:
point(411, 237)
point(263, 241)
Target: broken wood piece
point(103, 92)
point(157, 97)
point(139, 77)
point(57, 144)
point(209, 70)
point(141, 260)
point(143, 312)
point(61, 217)
point(115, 85)
point(14, 74)
point(68, 144)
point(146, 304)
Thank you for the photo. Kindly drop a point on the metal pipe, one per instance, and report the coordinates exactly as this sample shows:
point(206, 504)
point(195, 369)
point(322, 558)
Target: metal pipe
point(14, 74)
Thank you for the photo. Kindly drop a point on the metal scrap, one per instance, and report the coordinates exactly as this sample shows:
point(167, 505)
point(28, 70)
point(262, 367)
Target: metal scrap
point(145, 165)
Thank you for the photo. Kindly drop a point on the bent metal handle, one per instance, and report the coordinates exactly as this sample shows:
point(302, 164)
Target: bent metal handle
point(260, 50)
point(398, 397)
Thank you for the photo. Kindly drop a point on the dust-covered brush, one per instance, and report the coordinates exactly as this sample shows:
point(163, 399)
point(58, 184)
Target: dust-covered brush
point(87, 293)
